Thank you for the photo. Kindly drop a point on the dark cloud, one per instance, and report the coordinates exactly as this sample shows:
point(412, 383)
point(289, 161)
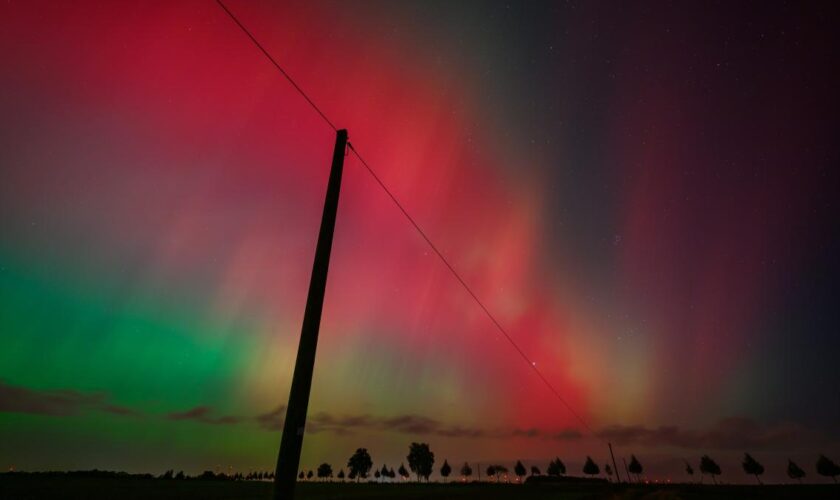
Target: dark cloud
point(120, 410)
point(56, 402)
point(204, 415)
point(735, 433)
point(418, 425)
point(272, 420)
point(567, 435)
point(532, 432)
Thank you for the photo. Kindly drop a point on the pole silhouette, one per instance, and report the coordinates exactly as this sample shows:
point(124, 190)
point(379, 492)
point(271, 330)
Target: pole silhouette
point(617, 473)
point(288, 459)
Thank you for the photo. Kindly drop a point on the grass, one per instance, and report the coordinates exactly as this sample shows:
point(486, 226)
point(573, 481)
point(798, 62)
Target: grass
point(52, 487)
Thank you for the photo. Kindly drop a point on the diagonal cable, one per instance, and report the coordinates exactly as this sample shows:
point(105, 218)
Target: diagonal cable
point(276, 64)
point(417, 227)
point(469, 290)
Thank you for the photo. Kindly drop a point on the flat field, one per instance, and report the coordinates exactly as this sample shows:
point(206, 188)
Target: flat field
point(14, 487)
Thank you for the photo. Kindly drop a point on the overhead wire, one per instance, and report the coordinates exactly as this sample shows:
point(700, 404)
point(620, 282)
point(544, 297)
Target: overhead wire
point(417, 227)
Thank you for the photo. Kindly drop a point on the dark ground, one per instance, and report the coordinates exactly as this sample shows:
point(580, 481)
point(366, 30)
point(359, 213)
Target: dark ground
point(23, 488)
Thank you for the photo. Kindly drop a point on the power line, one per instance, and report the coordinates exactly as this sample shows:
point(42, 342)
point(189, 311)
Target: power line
point(411, 220)
point(469, 290)
point(277, 65)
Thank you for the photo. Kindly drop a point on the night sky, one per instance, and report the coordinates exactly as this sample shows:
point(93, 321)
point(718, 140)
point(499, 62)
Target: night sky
point(644, 194)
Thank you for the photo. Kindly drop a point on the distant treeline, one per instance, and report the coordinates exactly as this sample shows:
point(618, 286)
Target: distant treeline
point(421, 462)
point(168, 475)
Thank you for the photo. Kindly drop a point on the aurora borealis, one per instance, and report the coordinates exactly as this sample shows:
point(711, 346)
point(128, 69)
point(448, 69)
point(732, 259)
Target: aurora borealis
point(645, 195)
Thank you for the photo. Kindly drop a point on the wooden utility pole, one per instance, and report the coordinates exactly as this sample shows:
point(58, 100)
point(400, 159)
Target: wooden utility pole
point(617, 474)
point(288, 459)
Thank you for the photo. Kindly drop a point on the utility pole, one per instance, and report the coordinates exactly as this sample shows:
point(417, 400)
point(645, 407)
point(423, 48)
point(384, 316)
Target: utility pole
point(627, 470)
point(617, 474)
point(288, 459)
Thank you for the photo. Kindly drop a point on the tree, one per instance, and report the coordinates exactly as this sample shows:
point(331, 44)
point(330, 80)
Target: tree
point(826, 467)
point(352, 475)
point(752, 467)
point(309, 474)
point(392, 474)
point(384, 472)
point(325, 471)
point(500, 469)
point(301, 476)
point(466, 471)
point(688, 469)
point(709, 466)
point(180, 475)
point(167, 475)
point(795, 472)
point(377, 474)
point(608, 471)
point(535, 471)
point(635, 467)
point(519, 470)
point(403, 472)
point(556, 468)
point(360, 464)
point(491, 472)
point(421, 460)
point(445, 470)
point(341, 474)
point(590, 467)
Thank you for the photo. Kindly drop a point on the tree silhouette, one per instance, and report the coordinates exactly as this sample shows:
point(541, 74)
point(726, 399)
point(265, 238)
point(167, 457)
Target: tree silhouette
point(519, 470)
point(688, 469)
point(751, 466)
point(608, 471)
point(590, 467)
point(392, 474)
point(500, 469)
point(445, 470)
point(384, 472)
point(360, 464)
point(325, 471)
point(352, 475)
point(308, 475)
point(794, 471)
point(826, 467)
point(466, 470)
point(556, 467)
point(301, 476)
point(377, 474)
point(635, 467)
point(421, 460)
point(491, 472)
point(403, 472)
point(709, 466)
point(535, 471)
point(180, 475)
point(341, 474)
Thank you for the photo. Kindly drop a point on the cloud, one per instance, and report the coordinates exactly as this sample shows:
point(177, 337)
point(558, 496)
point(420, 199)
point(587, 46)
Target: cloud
point(734, 433)
point(272, 420)
point(203, 414)
point(56, 402)
point(418, 425)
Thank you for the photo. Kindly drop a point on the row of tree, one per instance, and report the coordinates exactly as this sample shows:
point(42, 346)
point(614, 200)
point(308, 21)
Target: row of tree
point(824, 467)
point(421, 462)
